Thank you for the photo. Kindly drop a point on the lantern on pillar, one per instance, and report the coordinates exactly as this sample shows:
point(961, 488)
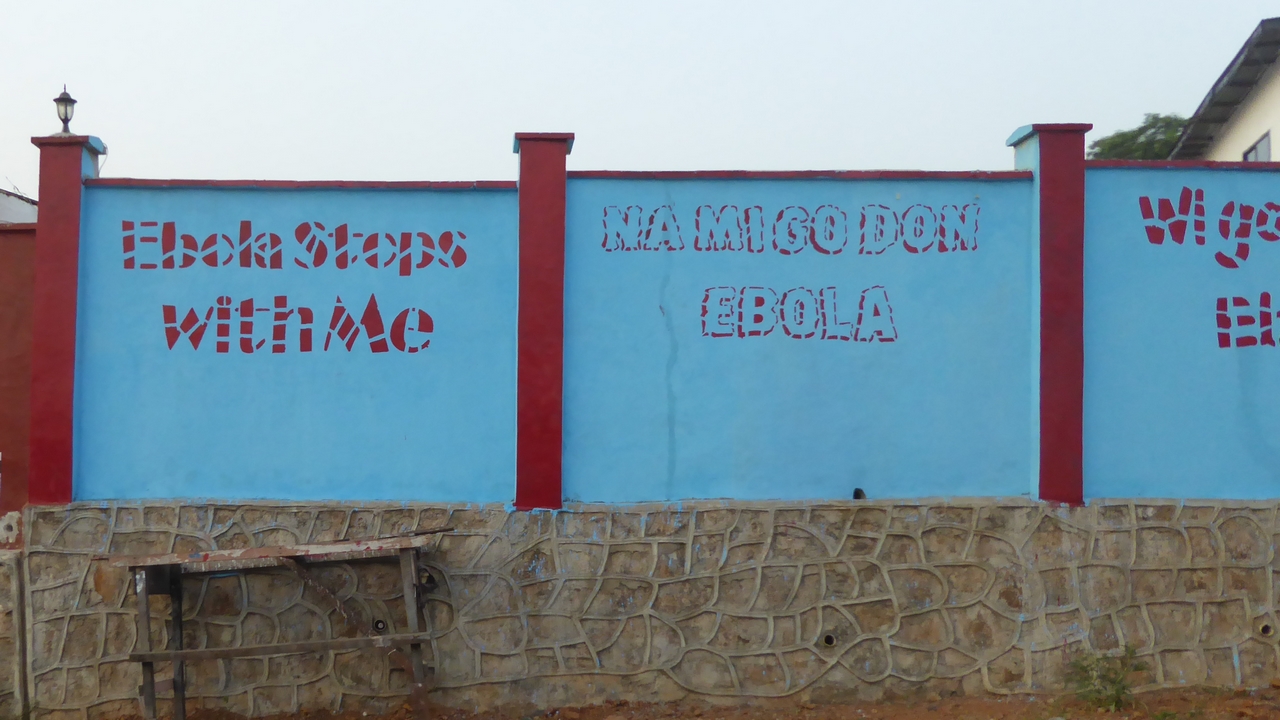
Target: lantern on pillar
point(66, 108)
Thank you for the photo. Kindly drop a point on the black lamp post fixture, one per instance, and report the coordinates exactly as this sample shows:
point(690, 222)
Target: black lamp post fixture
point(66, 108)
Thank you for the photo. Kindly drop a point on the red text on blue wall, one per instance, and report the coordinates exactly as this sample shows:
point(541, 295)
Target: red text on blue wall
point(157, 245)
point(917, 229)
point(800, 313)
point(1239, 223)
point(263, 327)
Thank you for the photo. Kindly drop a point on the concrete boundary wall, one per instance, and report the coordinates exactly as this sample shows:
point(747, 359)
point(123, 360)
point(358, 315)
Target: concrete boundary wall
point(711, 599)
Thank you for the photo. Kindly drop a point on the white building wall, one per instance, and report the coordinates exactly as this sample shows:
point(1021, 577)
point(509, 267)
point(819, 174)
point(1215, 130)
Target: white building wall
point(16, 210)
point(1257, 115)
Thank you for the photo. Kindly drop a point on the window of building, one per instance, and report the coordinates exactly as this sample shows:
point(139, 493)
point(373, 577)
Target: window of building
point(1261, 150)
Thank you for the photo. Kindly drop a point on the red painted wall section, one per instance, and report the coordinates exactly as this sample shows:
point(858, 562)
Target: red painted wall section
point(17, 276)
point(65, 160)
point(1061, 185)
point(540, 389)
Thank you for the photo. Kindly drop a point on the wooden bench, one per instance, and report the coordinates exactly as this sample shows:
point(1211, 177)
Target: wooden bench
point(163, 574)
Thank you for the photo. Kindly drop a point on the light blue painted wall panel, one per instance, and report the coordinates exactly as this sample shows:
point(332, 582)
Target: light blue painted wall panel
point(655, 410)
point(1168, 413)
point(436, 425)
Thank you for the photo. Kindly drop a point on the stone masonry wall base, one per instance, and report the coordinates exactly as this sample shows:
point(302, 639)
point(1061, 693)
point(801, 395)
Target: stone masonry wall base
point(714, 599)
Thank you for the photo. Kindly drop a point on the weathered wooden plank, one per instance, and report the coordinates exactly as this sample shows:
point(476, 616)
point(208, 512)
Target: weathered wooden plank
point(175, 643)
point(377, 641)
point(140, 584)
point(205, 568)
point(163, 687)
point(316, 551)
point(409, 576)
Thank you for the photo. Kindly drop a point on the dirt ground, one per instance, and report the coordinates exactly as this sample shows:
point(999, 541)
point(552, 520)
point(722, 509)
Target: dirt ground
point(1189, 704)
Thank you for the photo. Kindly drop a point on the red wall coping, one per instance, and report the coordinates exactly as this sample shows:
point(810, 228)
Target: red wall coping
point(17, 228)
point(997, 175)
point(1184, 165)
point(64, 139)
point(307, 184)
point(986, 175)
point(1061, 127)
point(566, 138)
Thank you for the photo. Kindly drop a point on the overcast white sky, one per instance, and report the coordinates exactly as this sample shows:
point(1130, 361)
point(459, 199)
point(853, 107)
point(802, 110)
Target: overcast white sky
point(434, 91)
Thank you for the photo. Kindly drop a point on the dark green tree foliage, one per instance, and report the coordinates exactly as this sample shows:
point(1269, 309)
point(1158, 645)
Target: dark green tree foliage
point(1152, 140)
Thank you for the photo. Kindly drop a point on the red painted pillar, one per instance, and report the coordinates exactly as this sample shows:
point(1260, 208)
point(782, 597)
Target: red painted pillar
point(17, 278)
point(540, 377)
point(1056, 153)
point(65, 160)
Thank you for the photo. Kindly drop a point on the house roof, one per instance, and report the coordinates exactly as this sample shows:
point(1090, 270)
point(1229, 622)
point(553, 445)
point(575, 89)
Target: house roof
point(15, 195)
point(1257, 56)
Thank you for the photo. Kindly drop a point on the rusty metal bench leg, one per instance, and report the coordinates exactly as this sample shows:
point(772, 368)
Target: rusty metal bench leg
point(175, 643)
point(144, 643)
point(409, 574)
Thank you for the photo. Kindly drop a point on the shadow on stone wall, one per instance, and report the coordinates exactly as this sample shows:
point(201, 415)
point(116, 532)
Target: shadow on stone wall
point(828, 602)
